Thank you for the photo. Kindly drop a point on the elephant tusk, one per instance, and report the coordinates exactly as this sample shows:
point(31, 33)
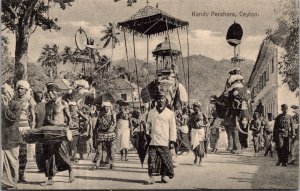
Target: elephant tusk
point(238, 127)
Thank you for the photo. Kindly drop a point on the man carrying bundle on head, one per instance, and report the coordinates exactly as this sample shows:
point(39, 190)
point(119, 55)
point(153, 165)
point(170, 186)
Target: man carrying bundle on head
point(56, 154)
point(161, 121)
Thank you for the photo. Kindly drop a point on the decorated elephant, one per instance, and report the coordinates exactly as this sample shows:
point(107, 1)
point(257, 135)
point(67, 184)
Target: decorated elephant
point(166, 82)
point(235, 111)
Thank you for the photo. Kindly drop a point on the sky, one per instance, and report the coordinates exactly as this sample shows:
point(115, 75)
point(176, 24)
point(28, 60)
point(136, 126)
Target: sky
point(207, 34)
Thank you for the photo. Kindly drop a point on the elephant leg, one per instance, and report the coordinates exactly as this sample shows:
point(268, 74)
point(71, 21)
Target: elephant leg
point(229, 138)
point(236, 141)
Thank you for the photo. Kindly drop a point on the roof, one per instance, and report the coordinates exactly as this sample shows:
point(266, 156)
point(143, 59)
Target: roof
point(149, 21)
point(122, 84)
point(261, 54)
point(165, 48)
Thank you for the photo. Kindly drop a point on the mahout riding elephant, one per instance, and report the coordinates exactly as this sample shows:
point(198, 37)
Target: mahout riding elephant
point(235, 111)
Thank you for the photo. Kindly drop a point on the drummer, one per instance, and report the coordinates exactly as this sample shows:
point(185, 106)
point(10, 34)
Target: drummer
point(56, 154)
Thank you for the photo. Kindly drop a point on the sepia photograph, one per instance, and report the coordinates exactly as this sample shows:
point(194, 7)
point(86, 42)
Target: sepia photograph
point(149, 94)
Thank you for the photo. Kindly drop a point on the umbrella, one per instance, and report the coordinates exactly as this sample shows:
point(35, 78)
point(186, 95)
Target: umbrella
point(150, 21)
point(106, 97)
point(141, 142)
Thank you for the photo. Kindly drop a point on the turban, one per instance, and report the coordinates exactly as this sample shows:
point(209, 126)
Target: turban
point(72, 103)
point(51, 86)
point(23, 83)
point(106, 104)
point(166, 94)
point(197, 104)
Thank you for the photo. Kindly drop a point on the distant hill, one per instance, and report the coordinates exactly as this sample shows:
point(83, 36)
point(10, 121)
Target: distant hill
point(207, 76)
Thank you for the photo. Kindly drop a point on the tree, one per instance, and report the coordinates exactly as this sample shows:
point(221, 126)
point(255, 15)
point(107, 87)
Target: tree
point(23, 17)
point(50, 58)
point(286, 36)
point(6, 61)
point(110, 36)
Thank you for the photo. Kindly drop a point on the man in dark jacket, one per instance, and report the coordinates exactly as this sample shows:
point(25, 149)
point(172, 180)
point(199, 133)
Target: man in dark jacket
point(283, 127)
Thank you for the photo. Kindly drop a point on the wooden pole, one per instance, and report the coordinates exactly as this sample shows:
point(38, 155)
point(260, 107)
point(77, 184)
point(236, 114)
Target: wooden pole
point(137, 77)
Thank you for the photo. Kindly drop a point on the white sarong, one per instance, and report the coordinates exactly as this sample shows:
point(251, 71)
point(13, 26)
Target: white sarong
point(197, 135)
point(123, 135)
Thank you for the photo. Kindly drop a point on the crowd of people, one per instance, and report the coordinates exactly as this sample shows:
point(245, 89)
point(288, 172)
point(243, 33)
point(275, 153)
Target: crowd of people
point(109, 128)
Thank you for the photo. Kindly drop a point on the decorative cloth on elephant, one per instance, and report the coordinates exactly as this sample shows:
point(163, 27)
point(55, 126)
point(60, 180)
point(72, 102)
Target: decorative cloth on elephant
point(234, 81)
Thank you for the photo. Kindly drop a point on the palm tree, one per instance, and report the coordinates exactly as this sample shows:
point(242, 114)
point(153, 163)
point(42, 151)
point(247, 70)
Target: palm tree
point(110, 36)
point(49, 59)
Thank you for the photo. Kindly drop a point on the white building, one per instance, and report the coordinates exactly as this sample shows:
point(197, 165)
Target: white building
point(266, 84)
point(128, 91)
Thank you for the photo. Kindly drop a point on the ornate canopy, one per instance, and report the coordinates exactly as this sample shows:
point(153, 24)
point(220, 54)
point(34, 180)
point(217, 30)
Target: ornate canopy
point(151, 21)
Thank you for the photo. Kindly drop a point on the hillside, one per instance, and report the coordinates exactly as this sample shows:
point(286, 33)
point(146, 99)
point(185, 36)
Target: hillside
point(207, 76)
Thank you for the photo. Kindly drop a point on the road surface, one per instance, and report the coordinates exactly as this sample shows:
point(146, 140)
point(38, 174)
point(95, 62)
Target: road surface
point(219, 171)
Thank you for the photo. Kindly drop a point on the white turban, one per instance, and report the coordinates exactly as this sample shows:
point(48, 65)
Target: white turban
point(107, 104)
point(23, 83)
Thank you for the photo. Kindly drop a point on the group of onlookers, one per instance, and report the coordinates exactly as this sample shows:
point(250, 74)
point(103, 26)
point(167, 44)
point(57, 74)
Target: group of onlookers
point(280, 134)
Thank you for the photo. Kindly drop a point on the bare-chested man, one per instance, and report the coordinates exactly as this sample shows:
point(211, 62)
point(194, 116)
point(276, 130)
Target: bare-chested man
point(56, 154)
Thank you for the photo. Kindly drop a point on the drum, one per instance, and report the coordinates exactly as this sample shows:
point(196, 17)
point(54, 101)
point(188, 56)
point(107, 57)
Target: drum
point(48, 134)
point(103, 137)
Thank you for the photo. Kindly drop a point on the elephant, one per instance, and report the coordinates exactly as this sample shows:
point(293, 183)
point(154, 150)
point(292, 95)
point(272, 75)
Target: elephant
point(235, 111)
point(168, 83)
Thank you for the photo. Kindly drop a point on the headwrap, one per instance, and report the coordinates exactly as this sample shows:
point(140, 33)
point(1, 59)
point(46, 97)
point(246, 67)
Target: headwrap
point(106, 104)
point(23, 83)
point(51, 86)
point(72, 103)
point(197, 104)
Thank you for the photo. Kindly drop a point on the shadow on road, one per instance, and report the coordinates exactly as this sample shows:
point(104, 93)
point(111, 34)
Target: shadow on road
point(111, 179)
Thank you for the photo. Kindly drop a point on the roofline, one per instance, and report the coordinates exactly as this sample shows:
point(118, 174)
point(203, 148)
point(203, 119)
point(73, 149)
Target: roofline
point(256, 62)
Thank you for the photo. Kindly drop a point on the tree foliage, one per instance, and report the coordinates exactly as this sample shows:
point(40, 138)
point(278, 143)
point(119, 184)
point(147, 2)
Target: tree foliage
point(49, 59)
point(22, 17)
point(286, 35)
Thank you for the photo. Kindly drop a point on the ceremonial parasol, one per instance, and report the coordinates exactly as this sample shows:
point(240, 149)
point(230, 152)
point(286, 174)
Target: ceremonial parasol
point(107, 97)
point(150, 21)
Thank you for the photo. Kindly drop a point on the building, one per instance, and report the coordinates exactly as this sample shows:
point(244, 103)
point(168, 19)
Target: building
point(128, 92)
point(265, 82)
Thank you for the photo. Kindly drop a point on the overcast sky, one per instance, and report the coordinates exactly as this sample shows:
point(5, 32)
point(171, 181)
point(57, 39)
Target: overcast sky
point(207, 34)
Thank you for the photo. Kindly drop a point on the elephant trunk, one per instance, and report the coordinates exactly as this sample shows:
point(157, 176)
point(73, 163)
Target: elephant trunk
point(238, 127)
